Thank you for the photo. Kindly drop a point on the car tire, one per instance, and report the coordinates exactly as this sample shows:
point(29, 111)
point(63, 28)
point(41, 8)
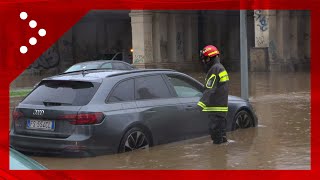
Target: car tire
point(134, 138)
point(242, 120)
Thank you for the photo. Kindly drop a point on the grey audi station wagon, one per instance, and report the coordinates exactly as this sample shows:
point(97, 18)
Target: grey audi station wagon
point(99, 112)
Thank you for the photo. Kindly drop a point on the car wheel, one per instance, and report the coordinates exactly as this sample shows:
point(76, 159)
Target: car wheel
point(242, 120)
point(135, 138)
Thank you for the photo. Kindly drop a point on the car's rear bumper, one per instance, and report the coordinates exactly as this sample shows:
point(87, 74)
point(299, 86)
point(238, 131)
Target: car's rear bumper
point(84, 146)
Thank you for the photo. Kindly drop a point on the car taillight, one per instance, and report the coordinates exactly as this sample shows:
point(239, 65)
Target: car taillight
point(83, 118)
point(16, 114)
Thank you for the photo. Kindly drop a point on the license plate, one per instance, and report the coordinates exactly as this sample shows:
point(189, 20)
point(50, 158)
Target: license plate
point(40, 124)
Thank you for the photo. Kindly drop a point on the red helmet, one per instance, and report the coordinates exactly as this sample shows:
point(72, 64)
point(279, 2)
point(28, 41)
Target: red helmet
point(209, 51)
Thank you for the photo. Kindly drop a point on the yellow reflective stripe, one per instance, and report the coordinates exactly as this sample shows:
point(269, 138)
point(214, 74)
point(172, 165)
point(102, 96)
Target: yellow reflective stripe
point(216, 109)
point(223, 73)
point(219, 109)
point(224, 79)
point(201, 105)
point(212, 76)
point(224, 76)
point(209, 110)
point(214, 52)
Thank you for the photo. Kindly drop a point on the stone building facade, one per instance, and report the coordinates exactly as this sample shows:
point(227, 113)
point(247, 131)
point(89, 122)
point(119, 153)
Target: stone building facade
point(277, 40)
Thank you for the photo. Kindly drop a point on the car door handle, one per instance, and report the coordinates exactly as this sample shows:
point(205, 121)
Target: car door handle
point(189, 108)
point(150, 111)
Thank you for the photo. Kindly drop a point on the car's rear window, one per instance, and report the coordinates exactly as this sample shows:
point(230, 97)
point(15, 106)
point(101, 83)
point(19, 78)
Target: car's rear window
point(58, 93)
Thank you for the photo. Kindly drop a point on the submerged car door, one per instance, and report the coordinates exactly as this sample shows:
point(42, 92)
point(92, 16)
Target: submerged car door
point(189, 92)
point(158, 109)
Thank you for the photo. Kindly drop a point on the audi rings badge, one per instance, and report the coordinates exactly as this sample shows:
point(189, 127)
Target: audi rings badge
point(38, 112)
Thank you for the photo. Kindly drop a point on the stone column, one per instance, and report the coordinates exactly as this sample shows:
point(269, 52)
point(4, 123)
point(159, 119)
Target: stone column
point(163, 36)
point(141, 22)
point(293, 42)
point(156, 37)
point(188, 38)
point(301, 29)
point(261, 25)
point(283, 38)
point(172, 35)
point(264, 55)
point(307, 37)
point(273, 46)
point(191, 48)
point(180, 37)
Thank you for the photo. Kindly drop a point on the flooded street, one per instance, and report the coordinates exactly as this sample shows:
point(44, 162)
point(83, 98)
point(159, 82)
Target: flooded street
point(281, 140)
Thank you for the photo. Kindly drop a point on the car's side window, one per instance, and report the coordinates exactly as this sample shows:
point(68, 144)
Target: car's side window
point(151, 87)
point(106, 66)
point(128, 66)
point(184, 87)
point(122, 92)
point(119, 66)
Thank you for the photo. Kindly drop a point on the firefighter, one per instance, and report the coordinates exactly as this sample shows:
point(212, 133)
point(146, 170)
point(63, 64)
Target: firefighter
point(214, 100)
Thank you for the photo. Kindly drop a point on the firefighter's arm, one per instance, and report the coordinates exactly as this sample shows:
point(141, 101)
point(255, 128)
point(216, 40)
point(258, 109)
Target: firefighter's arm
point(223, 76)
point(220, 76)
point(212, 81)
point(204, 100)
point(210, 87)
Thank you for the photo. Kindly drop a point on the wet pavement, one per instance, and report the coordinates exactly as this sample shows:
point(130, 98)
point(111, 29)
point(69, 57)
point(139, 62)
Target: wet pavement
point(281, 140)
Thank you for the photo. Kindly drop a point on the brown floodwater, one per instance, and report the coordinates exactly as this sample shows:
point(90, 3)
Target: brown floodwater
point(281, 140)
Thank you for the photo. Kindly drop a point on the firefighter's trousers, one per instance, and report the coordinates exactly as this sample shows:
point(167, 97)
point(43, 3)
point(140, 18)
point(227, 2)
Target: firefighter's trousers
point(217, 127)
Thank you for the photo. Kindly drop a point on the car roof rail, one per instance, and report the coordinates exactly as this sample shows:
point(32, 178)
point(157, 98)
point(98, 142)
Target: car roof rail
point(140, 71)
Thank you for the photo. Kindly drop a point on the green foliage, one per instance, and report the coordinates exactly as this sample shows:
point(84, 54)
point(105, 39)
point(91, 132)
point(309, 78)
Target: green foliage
point(20, 92)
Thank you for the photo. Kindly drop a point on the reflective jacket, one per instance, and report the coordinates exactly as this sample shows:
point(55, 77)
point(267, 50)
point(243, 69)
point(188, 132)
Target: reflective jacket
point(215, 96)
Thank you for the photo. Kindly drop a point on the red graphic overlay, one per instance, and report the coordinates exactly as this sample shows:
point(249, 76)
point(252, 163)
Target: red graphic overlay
point(57, 16)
